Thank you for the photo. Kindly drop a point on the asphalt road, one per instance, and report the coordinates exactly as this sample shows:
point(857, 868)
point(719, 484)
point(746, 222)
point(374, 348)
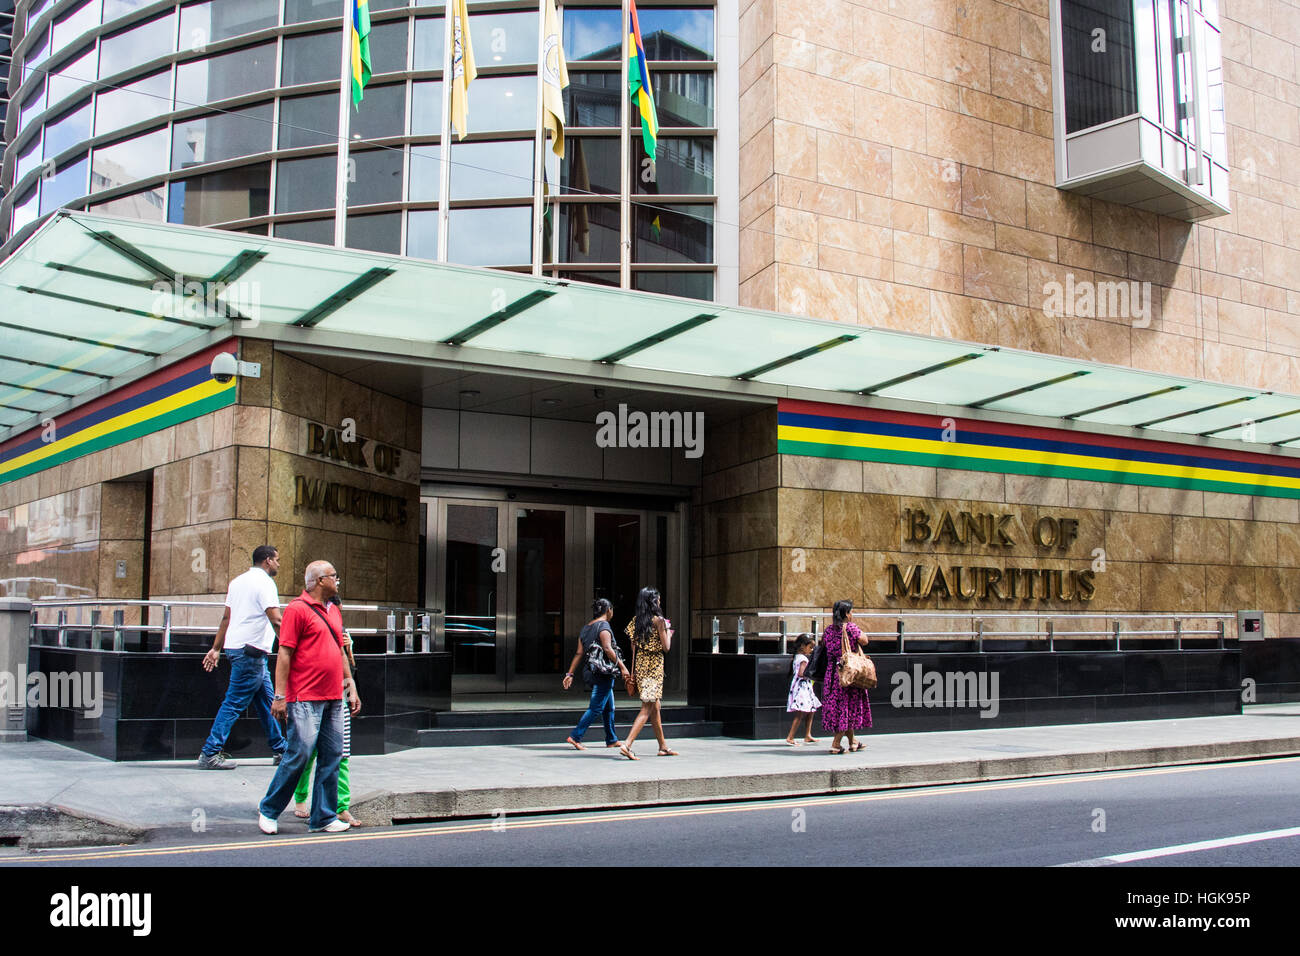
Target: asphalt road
point(1081, 820)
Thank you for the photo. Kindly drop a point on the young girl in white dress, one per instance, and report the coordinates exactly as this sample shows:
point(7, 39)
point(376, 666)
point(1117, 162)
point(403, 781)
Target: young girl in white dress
point(802, 702)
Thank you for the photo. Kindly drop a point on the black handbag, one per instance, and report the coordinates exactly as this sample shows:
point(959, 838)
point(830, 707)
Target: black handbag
point(816, 669)
point(600, 665)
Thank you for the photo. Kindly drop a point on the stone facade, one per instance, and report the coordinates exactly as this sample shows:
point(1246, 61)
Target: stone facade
point(897, 171)
point(220, 485)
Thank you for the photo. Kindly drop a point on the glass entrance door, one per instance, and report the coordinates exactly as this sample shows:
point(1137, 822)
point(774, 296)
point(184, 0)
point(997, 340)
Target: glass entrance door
point(472, 562)
point(540, 638)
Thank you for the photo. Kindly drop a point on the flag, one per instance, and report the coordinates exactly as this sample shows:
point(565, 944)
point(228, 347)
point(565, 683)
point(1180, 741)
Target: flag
point(555, 77)
point(360, 49)
point(462, 66)
point(656, 228)
point(638, 83)
point(579, 220)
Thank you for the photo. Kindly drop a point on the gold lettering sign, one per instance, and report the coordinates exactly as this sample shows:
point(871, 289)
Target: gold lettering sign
point(329, 443)
point(983, 583)
point(317, 494)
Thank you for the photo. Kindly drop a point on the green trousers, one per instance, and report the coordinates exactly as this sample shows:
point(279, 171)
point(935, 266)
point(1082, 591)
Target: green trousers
point(303, 793)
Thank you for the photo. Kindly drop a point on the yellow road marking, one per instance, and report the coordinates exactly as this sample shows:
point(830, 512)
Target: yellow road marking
point(627, 816)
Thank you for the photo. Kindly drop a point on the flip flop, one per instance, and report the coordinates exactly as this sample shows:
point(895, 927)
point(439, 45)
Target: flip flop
point(576, 744)
point(667, 752)
point(856, 747)
point(303, 813)
point(838, 750)
point(627, 753)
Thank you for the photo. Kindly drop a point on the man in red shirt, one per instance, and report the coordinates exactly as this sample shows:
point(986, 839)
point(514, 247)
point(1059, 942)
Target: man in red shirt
point(311, 677)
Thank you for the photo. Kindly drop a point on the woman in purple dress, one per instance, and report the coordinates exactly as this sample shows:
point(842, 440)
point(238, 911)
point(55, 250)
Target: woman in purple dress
point(844, 709)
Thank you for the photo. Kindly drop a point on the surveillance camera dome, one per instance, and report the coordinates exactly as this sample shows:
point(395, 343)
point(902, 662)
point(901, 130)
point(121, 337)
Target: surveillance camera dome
point(224, 367)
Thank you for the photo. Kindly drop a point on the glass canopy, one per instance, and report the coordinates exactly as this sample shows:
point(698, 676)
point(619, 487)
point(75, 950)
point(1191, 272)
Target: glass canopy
point(92, 299)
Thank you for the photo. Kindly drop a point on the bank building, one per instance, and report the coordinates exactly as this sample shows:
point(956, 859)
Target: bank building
point(983, 315)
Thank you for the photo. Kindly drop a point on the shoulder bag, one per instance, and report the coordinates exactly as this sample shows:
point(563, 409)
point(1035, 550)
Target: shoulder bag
point(856, 668)
point(629, 682)
point(600, 665)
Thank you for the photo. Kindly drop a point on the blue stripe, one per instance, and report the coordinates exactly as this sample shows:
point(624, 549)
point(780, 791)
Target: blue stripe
point(970, 437)
point(160, 391)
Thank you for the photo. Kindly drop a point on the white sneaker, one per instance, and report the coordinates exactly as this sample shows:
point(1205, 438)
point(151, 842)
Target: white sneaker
point(338, 826)
point(267, 825)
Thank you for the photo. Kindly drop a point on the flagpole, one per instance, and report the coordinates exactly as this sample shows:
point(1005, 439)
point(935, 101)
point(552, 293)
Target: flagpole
point(539, 141)
point(345, 129)
point(625, 187)
point(444, 154)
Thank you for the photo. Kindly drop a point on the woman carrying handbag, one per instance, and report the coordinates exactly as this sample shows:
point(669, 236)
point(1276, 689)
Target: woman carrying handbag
point(844, 708)
point(652, 636)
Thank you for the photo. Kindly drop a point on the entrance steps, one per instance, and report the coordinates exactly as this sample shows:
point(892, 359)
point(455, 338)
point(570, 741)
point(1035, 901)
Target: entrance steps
point(487, 728)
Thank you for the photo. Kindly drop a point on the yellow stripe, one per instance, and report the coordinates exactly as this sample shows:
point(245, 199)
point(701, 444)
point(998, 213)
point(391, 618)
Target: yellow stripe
point(634, 816)
point(189, 396)
point(1057, 459)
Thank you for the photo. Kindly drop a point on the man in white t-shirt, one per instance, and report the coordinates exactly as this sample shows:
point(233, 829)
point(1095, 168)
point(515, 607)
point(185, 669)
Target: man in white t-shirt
point(248, 628)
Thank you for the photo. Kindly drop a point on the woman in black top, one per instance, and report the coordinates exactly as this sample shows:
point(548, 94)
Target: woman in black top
point(597, 631)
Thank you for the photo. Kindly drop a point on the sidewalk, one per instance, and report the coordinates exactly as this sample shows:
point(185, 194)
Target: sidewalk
point(119, 802)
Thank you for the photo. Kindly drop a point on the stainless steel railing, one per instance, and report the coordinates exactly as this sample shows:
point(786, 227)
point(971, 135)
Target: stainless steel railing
point(415, 622)
point(978, 632)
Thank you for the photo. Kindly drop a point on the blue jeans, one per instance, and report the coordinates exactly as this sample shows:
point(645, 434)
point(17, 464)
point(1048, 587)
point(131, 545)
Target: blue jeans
point(250, 683)
point(314, 725)
point(601, 705)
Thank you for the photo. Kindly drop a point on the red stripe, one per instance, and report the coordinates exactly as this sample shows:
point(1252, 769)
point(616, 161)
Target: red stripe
point(151, 380)
point(1033, 432)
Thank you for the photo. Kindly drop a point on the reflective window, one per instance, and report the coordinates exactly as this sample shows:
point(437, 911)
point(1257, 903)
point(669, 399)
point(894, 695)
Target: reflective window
point(429, 36)
point(426, 108)
point(25, 209)
point(383, 113)
point(488, 237)
point(590, 165)
point(592, 99)
point(504, 39)
point(387, 47)
point(309, 120)
point(146, 205)
point(1100, 84)
point(65, 186)
point(594, 278)
point(36, 55)
point(503, 103)
point(139, 44)
point(211, 22)
point(139, 101)
point(380, 233)
point(72, 77)
point(220, 197)
point(689, 285)
point(585, 232)
point(310, 58)
point(68, 130)
point(129, 160)
point(683, 99)
point(34, 104)
point(426, 173)
point(491, 170)
point(592, 34)
point(302, 185)
point(303, 11)
point(672, 233)
point(37, 8)
point(422, 233)
point(71, 26)
point(230, 74)
point(676, 34)
point(319, 231)
point(378, 178)
point(120, 8)
point(684, 165)
point(211, 139)
point(28, 159)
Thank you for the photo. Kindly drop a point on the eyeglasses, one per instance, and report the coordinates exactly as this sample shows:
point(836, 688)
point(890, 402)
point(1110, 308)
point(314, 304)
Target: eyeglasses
point(334, 575)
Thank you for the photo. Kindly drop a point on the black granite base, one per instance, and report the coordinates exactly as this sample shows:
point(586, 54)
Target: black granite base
point(161, 706)
point(929, 692)
point(1274, 667)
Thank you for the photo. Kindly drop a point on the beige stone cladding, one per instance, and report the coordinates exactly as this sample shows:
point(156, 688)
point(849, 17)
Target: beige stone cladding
point(897, 170)
point(220, 485)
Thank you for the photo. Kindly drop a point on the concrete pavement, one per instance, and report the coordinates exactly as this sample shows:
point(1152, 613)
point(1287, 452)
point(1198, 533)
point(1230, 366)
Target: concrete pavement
point(51, 795)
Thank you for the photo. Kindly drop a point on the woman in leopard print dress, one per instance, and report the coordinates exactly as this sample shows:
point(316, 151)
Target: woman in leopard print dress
point(652, 636)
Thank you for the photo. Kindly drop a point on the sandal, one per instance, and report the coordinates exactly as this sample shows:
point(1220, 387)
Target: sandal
point(300, 810)
point(856, 747)
point(627, 753)
point(791, 743)
point(576, 744)
point(838, 750)
point(667, 752)
point(349, 819)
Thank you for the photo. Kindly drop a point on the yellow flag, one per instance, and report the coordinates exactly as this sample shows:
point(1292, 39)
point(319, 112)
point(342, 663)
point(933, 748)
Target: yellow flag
point(555, 77)
point(462, 66)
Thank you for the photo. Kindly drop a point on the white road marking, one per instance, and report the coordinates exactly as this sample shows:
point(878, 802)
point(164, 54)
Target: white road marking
point(1180, 848)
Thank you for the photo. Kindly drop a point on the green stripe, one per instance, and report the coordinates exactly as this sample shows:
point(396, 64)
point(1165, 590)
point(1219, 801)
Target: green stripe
point(203, 406)
point(1035, 469)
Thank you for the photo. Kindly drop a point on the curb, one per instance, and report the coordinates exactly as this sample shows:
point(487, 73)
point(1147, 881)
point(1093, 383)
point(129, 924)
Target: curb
point(46, 827)
point(390, 808)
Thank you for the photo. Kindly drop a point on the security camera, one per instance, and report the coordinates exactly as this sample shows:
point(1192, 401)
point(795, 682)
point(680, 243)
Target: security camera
point(224, 367)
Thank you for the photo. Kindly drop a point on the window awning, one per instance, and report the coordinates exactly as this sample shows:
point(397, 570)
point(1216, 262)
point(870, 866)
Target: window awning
point(90, 300)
